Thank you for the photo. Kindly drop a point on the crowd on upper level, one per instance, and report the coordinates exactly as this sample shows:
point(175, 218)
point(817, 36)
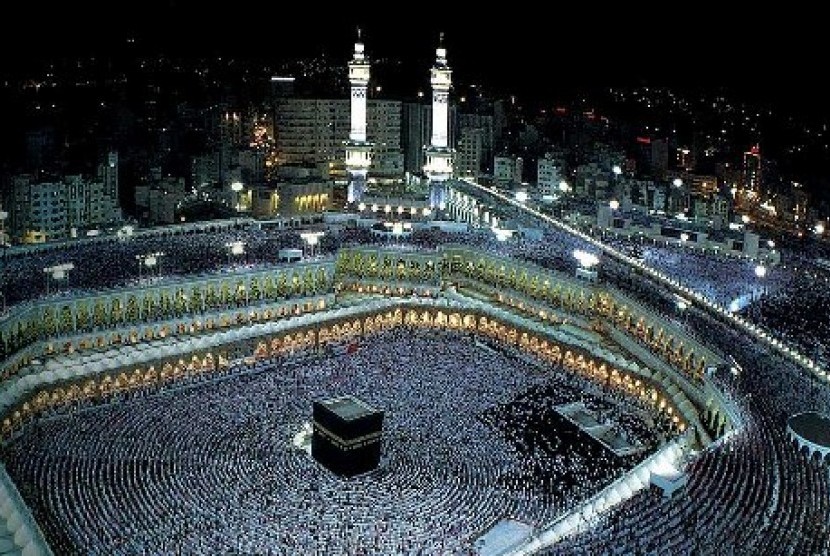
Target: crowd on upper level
point(789, 300)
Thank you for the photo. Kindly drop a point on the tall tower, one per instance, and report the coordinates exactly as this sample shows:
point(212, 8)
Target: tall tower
point(752, 168)
point(358, 150)
point(109, 174)
point(439, 153)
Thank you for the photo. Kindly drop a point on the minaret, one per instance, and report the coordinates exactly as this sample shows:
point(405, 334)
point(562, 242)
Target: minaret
point(358, 150)
point(439, 153)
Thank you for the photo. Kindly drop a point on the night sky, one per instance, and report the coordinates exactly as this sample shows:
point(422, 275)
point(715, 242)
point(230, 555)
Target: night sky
point(768, 56)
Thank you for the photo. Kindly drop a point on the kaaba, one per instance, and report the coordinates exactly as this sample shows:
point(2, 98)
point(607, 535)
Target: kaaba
point(347, 435)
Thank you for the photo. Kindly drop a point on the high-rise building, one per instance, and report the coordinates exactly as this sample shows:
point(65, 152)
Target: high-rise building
point(415, 118)
point(282, 87)
point(313, 131)
point(108, 174)
point(659, 157)
point(752, 169)
point(685, 159)
point(508, 170)
point(40, 147)
point(252, 166)
point(36, 210)
point(485, 123)
point(548, 174)
point(157, 199)
point(438, 167)
point(416, 134)
point(469, 155)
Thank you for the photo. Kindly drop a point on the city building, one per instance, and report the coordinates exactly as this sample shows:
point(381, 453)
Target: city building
point(549, 174)
point(592, 181)
point(291, 198)
point(507, 170)
point(157, 200)
point(752, 176)
point(685, 159)
point(60, 207)
point(485, 123)
point(416, 130)
point(252, 165)
point(313, 131)
point(470, 152)
point(659, 157)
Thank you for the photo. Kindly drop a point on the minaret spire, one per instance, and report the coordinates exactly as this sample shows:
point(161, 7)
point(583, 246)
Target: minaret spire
point(439, 166)
point(358, 150)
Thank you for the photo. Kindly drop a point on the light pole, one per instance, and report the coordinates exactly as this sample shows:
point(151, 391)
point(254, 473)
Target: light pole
point(235, 248)
point(149, 260)
point(57, 272)
point(397, 231)
point(502, 234)
point(587, 263)
point(614, 205)
point(237, 187)
point(311, 239)
point(681, 305)
point(761, 272)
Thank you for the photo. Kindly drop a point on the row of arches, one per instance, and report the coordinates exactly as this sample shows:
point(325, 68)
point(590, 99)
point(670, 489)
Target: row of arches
point(317, 337)
point(540, 285)
point(382, 288)
point(600, 306)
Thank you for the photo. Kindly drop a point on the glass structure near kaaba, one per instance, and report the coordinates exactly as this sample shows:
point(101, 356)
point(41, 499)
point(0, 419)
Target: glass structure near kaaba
point(347, 435)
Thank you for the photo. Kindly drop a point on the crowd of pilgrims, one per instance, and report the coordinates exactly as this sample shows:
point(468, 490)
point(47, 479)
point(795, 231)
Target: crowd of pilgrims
point(749, 493)
point(470, 436)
